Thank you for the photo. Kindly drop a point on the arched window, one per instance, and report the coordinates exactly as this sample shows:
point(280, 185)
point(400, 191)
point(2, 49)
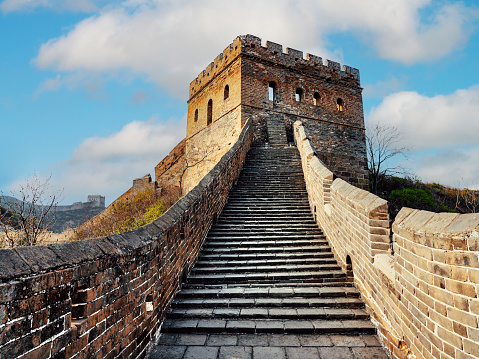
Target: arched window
point(316, 98)
point(227, 92)
point(272, 91)
point(209, 116)
point(299, 95)
point(196, 115)
point(340, 105)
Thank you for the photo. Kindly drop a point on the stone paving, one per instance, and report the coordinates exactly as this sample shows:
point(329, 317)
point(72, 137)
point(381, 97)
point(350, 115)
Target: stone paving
point(264, 346)
point(266, 284)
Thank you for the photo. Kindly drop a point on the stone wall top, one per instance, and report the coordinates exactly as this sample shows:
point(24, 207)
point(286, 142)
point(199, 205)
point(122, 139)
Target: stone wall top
point(446, 231)
point(363, 201)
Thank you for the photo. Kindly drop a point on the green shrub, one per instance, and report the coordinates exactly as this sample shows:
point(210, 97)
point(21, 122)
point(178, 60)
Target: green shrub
point(412, 197)
point(437, 186)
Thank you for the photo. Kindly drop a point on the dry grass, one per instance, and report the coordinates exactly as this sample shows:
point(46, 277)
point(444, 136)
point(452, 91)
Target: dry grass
point(126, 215)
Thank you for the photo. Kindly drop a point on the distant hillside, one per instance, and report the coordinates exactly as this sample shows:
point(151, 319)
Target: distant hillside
point(7, 217)
point(71, 219)
point(64, 219)
point(409, 192)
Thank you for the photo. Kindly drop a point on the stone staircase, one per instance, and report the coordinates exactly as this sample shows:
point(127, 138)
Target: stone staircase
point(266, 283)
point(276, 130)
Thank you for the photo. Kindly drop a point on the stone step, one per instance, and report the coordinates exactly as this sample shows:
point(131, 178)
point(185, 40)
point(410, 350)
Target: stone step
point(270, 313)
point(266, 196)
point(268, 192)
point(336, 283)
point(253, 228)
point(305, 326)
point(244, 277)
point(267, 216)
point(266, 256)
point(258, 250)
point(290, 227)
point(267, 205)
point(258, 262)
point(272, 233)
point(270, 212)
point(266, 267)
point(292, 302)
point(291, 195)
point(251, 220)
point(271, 239)
point(266, 201)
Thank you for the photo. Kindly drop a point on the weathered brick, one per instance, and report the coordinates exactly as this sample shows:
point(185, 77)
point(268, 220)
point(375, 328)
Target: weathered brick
point(467, 289)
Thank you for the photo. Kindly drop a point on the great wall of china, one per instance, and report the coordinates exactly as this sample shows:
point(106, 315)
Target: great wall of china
point(108, 297)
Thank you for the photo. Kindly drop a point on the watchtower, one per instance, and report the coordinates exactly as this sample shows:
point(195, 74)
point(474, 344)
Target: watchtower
point(274, 89)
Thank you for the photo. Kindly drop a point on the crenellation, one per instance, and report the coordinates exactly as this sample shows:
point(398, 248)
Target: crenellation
point(250, 44)
point(333, 65)
point(274, 47)
point(316, 60)
point(296, 54)
point(351, 71)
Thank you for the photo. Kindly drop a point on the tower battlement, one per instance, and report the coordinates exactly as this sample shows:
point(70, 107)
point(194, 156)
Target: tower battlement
point(250, 45)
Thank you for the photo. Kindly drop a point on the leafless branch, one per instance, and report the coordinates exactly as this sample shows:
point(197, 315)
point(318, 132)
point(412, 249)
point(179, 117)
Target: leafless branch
point(467, 200)
point(34, 212)
point(382, 145)
point(188, 165)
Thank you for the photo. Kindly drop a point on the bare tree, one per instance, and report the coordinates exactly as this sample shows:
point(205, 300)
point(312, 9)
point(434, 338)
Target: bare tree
point(33, 213)
point(191, 165)
point(382, 145)
point(467, 200)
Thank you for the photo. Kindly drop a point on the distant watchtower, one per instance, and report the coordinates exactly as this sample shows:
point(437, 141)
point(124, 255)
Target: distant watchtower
point(97, 200)
point(275, 89)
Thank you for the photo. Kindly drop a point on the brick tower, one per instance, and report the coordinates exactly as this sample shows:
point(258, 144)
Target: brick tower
point(275, 89)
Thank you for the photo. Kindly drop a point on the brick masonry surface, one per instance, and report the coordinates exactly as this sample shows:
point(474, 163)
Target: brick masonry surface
point(168, 170)
point(107, 297)
point(425, 299)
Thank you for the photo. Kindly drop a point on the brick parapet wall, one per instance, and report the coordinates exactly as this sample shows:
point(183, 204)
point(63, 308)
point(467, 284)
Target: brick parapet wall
point(424, 298)
point(107, 297)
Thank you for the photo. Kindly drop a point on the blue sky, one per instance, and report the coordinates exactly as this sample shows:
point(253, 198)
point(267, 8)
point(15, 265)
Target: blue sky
point(93, 93)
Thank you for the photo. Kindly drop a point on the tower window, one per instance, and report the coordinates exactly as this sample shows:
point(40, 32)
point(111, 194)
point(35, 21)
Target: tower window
point(316, 98)
point(340, 105)
point(209, 116)
point(299, 95)
point(227, 92)
point(272, 91)
point(196, 115)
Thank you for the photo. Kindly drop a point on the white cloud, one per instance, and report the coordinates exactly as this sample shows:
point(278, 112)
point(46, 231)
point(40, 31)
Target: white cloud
point(171, 42)
point(441, 132)
point(108, 165)
point(384, 88)
point(92, 83)
point(432, 122)
point(454, 167)
point(58, 5)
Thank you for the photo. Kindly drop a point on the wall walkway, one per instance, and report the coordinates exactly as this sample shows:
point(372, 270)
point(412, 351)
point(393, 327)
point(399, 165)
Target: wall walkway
point(107, 297)
point(424, 297)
